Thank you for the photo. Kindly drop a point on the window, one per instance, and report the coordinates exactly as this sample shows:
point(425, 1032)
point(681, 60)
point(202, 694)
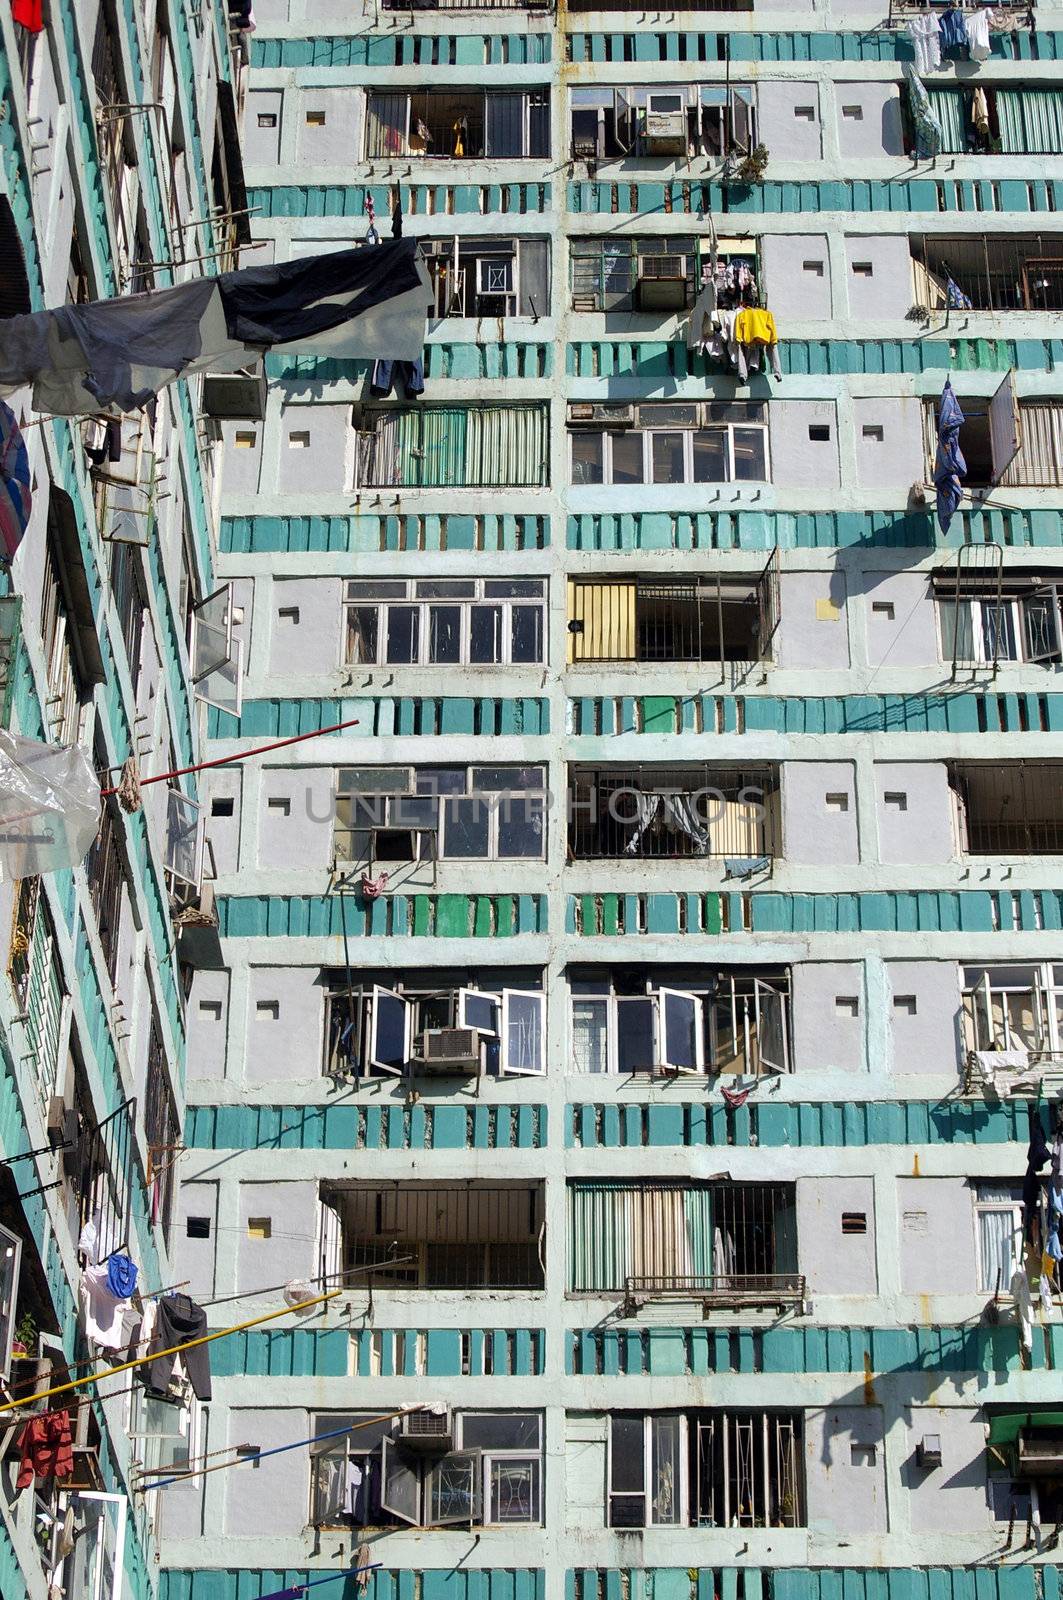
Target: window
point(1013, 272)
point(687, 120)
point(705, 442)
point(448, 1022)
point(666, 813)
point(689, 1021)
point(1005, 442)
point(456, 447)
point(1012, 808)
point(216, 655)
point(458, 124)
point(708, 1469)
point(37, 979)
point(998, 1219)
point(10, 1265)
point(711, 1242)
point(1023, 119)
point(484, 276)
point(656, 272)
point(96, 1564)
point(450, 813)
point(368, 1473)
point(1014, 1008)
point(68, 683)
point(128, 592)
point(664, 619)
point(105, 871)
point(436, 1236)
point(445, 622)
point(162, 1131)
point(1007, 619)
point(168, 1434)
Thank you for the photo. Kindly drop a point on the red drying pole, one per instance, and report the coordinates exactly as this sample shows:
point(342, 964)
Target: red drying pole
point(228, 761)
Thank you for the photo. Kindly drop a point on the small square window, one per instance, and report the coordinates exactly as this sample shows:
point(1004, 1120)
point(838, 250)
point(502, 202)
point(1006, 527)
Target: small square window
point(268, 1009)
point(288, 614)
point(906, 1004)
point(854, 1221)
point(813, 267)
point(896, 799)
point(836, 802)
point(805, 113)
point(884, 609)
point(847, 1005)
point(315, 119)
point(245, 439)
point(299, 440)
point(267, 119)
point(874, 432)
point(863, 1455)
point(280, 805)
point(863, 269)
point(853, 113)
point(223, 806)
point(197, 1227)
point(260, 1227)
point(249, 1453)
point(210, 1010)
point(914, 1222)
point(819, 432)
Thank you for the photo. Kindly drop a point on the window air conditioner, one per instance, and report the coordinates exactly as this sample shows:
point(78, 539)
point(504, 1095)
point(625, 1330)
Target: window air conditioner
point(1040, 1453)
point(665, 128)
point(429, 1431)
point(450, 1050)
point(662, 283)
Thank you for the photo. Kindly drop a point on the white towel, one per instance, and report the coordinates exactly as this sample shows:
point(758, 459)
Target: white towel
point(978, 35)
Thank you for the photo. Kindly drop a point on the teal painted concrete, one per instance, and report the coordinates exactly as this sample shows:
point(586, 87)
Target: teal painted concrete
point(373, 1127)
point(869, 45)
point(840, 195)
point(433, 531)
point(348, 200)
point(405, 1583)
point(952, 711)
point(403, 50)
point(652, 358)
point(813, 1124)
point(810, 530)
point(886, 911)
point(442, 916)
point(384, 717)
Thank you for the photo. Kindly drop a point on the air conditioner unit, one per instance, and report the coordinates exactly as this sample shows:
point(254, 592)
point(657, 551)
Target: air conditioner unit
point(450, 1050)
point(584, 414)
point(428, 1431)
point(665, 129)
point(1040, 1453)
point(235, 396)
point(662, 283)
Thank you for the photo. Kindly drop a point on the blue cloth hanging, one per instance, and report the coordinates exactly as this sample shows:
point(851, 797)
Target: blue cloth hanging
point(949, 466)
point(953, 28)
point(121, 1276)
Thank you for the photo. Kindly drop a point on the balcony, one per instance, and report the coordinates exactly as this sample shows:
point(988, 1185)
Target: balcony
point(458, 125)
point(451, 1236)
point(485, 276)
point(1009, 809)
point(1010, 272)
point(721, 1244)
point(726, 617)
point(1019, 120)
point(672, 813)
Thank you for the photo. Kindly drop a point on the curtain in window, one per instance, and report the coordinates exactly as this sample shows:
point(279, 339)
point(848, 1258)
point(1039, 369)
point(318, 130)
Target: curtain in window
point(438, 436)
point(507, 446)
point(1042, 119)
point(607, 612)
point(386, 126)
point(661, 1232)
point(996, 1231)
point(947, 106)
point(505, 125)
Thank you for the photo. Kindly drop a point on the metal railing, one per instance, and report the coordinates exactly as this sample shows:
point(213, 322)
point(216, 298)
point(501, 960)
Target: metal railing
point(1012, 809)
point(721, 1289)
point(468, 5)
point(1019, 272)
point(443, 1237)
point(684, 813)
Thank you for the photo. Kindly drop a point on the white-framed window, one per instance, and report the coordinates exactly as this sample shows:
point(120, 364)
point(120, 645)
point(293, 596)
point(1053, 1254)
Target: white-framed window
point(723, 1022)
point(216, 655)
point(458, 124)
point(94, 1568)
point(444, 622)
point(166, 1436)
point(698, 442)
point(710, 1469)
point(10, 1268)
point(445, 813)
point(984, 629)
point(998, 1220)
point(1014, 1008)
point(489, 1473)
point(483, 275)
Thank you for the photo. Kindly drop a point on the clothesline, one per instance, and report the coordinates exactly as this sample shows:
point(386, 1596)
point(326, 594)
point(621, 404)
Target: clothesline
point(296, 1589)
point(228, 761)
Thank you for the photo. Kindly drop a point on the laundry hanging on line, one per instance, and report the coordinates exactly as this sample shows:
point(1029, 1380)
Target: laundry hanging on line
point(46, 1449)
point(115, 355)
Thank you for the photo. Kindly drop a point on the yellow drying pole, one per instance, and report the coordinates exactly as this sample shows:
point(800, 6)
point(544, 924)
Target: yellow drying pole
point(174, 1350)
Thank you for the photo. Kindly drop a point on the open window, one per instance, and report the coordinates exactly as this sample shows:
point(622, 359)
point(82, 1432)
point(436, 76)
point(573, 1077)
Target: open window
point(772, 1044)
point(184, 839)
point(523, 1037)
point(623, 120)
point(479, 1010)
point(95, 1567)
point(10, 1268)
point(682, 1031)
point(390, 1031)
point(400, 1487)
point(1005, 438)
point(454, 1489)
point(217, 658)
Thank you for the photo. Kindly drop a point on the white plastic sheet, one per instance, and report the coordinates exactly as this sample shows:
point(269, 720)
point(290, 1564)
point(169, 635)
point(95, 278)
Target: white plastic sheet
point(49, 806)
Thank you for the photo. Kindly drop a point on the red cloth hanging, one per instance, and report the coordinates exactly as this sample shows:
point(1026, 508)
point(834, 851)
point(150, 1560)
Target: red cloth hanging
point(46, 1447)
point(29, 14)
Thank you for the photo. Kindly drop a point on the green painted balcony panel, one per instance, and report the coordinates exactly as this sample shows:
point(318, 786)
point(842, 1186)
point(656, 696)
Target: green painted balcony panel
point(372, 1127)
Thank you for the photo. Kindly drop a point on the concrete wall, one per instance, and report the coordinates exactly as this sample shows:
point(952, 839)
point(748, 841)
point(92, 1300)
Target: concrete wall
point(879, 276)
point(833, 1260)
point(812, 628)
point(819, 812)
point(915, 812)
point(845, 1467)
point(900, 618)
point(279, 1230)
point(829, 1016)
point(953, 1496)
point(797, 275)
point(937, 1236)
point(788, 120)
point(869, 119)
point(924, 1016)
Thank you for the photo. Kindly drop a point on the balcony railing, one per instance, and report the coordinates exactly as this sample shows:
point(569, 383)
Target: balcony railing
point(1011, 810)
point(667, 815)
point(782, 1289)
point(1021, 272)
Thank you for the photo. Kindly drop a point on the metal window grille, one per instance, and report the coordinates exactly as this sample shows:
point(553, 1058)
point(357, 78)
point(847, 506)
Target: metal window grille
point(457, 1236)
point(162, 1131)
point(1013, 809)
point(38, 983)
point(129, 599)
point(650, 813)
point(104, 1173)
point(624, 619)
point(64, 690)
point(749, 1471)
point(1021, 272)
point(105, 870)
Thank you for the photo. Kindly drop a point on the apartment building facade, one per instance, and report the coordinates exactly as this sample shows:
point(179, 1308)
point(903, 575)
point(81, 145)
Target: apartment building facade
point(118, 173)
point(637, 1013)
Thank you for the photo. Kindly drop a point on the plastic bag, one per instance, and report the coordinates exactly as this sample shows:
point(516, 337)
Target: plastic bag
point(49, 806)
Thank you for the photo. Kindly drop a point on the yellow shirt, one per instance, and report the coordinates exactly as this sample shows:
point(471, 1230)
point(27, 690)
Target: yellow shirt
point(754, 326)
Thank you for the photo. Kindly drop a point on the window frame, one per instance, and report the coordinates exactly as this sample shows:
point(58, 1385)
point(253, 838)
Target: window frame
point(10, 1274)
point(1015, 630)
point(431, 838)
point(480, 600)
point(687, 434)
point(364, 1000)
point(1045, 992)
point(984, 1207)
point(650, 1422)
